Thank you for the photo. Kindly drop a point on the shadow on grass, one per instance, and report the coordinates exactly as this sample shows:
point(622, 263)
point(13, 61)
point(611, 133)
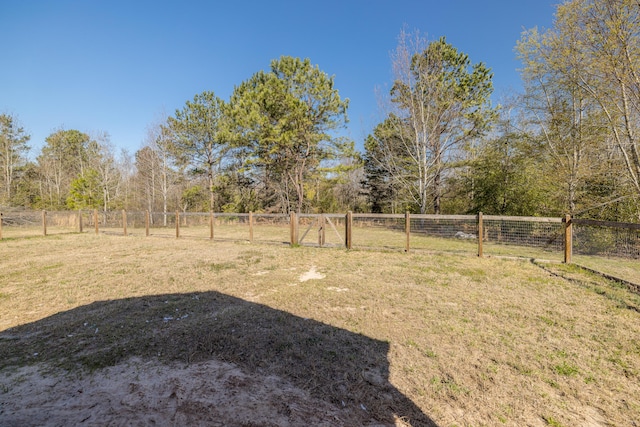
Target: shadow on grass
point(348, 370)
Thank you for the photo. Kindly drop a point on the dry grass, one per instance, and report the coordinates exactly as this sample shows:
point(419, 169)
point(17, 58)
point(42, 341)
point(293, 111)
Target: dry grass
point(626, 269)
point(442, 339)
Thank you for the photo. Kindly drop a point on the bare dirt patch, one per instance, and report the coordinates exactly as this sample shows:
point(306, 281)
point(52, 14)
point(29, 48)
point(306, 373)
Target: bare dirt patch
point(208, 393)
point(312, 274)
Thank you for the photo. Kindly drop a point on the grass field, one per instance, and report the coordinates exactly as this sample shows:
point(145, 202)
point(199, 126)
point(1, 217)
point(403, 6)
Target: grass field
point(440, 339)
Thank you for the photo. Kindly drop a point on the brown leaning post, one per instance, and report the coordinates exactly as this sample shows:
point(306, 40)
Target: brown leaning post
point(321, 233)
point(347, 230)
point(480, 234)
point(211, 219)
point(407, 230)
point(177, 224)
point(293, 228)
point(568, 238)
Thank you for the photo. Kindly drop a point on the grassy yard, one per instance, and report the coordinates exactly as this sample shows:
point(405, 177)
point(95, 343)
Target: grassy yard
point(441, 339)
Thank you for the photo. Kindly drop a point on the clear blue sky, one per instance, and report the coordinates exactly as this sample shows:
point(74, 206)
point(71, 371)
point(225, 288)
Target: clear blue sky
point(115, 65)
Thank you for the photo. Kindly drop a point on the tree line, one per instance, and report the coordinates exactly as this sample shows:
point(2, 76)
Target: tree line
point(567, 144)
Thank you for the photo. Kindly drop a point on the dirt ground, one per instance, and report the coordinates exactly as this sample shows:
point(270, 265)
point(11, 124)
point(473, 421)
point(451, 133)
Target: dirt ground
point(141, 393)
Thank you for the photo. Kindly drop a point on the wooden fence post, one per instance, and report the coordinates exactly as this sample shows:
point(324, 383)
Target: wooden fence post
point(250, 226)
point(480, 234)
point(211, 221)
point(80, 221)
point(568, 238)
point(177, 224)
point(44, 223)
point(321, 234)
point(124, 221)
point(147, 220)
point(293, 225)
point(407, 230)
point(347, 230)
point(1, 225)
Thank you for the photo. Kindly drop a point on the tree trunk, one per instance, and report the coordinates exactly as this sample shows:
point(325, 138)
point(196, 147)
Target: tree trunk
point(437, 189)
point(211, 195)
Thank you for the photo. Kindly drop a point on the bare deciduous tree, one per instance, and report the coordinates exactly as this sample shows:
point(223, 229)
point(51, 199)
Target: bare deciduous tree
point(13, 147)
point(439, 101)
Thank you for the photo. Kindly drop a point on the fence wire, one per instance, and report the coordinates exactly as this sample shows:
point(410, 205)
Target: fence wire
point(21, 219)
point(231, 227)
point(271, 228)
point(60, 222)
point(194, 224)
point(136, 222)
point(531, 232)
point(110, 222)
point(519, 236)
point(16, 223)
point(606, 239)
point(445, 226)
point(159, 220)
point(378, 231)
point(457, 233)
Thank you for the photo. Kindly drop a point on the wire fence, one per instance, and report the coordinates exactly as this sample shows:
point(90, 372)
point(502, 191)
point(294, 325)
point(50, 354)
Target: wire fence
point(609, 239)
point(591, 243)
point(531, 237)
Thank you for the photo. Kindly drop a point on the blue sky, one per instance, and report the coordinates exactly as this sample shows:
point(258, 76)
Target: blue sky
point(116, 66)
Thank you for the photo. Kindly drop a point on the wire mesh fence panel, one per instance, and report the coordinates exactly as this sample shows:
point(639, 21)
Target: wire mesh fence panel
point(381, 231)
point(194, 225)
point(88, 224)
point(523, 236)
point(611, 248)
point(450, 233)
point(162, 220)
point(162, 224)
point(231, 226)
point(606, 239)
point(18, 224)
point(62, 222)
point(136, 223)
point(271, 228)
point(111, 222)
